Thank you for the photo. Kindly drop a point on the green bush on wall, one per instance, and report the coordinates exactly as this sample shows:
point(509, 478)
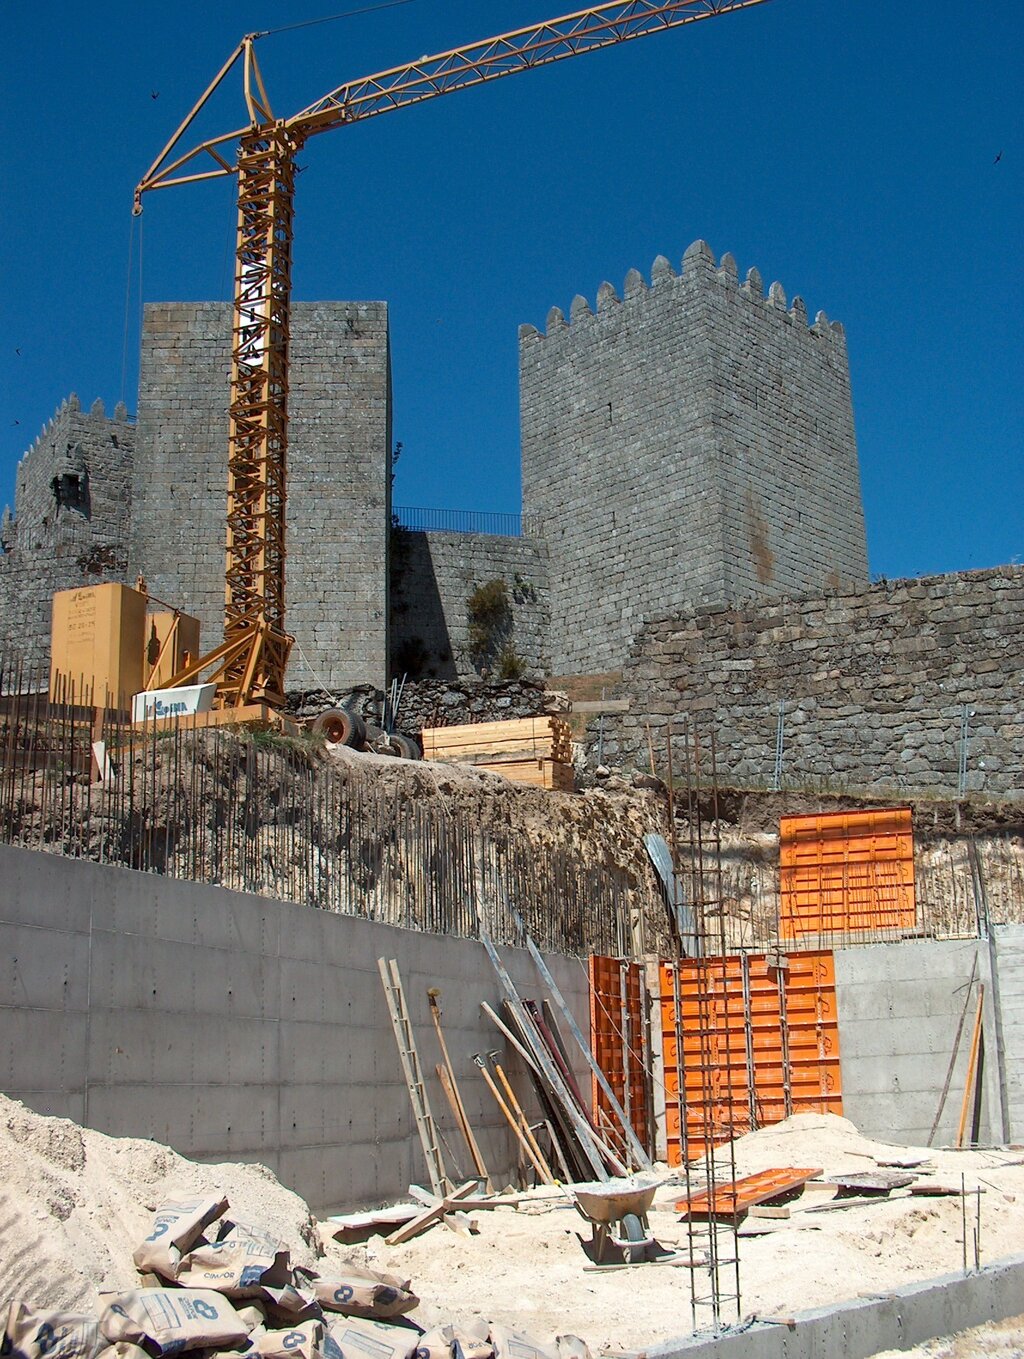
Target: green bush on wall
point(489, 611)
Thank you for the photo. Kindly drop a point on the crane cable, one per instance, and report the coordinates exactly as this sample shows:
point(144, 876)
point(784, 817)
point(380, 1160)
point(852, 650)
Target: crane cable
point(331, 18)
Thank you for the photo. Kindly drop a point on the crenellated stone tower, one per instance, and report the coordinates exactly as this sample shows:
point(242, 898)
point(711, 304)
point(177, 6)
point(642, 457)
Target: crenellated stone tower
point(691, 442)
point(73, 504)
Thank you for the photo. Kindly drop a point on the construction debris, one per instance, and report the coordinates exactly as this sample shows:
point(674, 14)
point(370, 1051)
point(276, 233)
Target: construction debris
point(74, 1205)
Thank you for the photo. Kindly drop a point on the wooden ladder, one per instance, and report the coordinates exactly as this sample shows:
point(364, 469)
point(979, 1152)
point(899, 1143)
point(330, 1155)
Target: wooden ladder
point(400, 1022)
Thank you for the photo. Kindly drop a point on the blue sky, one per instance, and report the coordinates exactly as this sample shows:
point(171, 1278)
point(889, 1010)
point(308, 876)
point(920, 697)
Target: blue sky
point(846, 149)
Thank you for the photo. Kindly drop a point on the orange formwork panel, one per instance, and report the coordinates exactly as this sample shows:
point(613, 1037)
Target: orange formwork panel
point(734, 1199)
point(618, 1045)
point(847, 873)
point(754, 1043)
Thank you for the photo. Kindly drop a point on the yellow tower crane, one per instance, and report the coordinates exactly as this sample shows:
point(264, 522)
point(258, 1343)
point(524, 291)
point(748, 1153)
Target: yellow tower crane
point(249, 665)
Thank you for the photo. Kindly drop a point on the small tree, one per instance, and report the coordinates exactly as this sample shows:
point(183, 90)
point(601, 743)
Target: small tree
point(490, 624)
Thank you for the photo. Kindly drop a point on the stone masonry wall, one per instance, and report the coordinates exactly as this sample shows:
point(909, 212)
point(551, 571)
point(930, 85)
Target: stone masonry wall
point(690, 441)
point(70, 522)
point(433, 575)
point(338, 478)
point(874, 684)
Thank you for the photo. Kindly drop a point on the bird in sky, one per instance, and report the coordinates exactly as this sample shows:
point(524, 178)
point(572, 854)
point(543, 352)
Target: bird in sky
point(154, 94)
point(998, 158)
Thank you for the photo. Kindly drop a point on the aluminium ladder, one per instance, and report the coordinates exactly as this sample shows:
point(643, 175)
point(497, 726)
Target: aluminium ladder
point(402, 1026)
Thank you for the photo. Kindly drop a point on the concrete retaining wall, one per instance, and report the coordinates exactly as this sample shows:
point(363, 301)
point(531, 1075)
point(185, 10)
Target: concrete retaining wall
point(899, 1006)
point(236, 1027)
point(866, 1326)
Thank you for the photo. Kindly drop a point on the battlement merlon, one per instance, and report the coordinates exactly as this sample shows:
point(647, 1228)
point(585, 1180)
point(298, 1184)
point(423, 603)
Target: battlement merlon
point(698, 269)
point(89, 444)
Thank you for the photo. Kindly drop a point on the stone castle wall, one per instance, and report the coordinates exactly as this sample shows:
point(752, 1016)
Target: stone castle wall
point(433, 575)
point(338, 478)
point(874, 684)
point(73, 503)
point(692, 441)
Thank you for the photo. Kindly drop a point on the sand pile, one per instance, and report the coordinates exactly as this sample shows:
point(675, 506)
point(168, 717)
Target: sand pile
point(75, 1203)
point(526, 1266)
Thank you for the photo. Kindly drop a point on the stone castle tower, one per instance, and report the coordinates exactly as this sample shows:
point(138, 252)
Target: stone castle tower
point(691, 442)
point(73, 502)
point(339, 485)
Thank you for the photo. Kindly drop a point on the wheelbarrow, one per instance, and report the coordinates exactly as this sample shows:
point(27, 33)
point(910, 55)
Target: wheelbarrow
point(618, 1217)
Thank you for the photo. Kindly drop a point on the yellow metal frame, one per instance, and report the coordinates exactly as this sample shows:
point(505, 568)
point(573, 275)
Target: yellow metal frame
point(251, 663)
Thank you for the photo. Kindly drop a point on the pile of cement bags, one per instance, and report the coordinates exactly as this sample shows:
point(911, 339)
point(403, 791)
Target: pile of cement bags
point(223, 1287)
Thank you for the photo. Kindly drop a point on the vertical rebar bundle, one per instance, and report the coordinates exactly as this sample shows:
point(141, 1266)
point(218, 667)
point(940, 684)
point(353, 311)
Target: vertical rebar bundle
point(261, 813)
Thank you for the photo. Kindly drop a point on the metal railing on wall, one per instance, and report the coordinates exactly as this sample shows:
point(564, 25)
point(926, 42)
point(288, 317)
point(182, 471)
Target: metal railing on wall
point(422, 520)
point(260, 813)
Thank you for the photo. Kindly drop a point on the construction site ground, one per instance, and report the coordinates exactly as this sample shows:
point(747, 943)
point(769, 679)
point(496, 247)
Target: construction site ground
point(76, 1203)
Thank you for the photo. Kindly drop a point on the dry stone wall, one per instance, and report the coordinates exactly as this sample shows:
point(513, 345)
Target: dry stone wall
point(873, 686)
point(72, 503)
point(338, 477)
point(692, 440)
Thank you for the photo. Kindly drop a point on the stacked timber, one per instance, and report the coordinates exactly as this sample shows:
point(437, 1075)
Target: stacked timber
point(532, 750)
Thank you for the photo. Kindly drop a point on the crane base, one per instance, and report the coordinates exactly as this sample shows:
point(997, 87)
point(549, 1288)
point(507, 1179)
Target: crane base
point(260, 715)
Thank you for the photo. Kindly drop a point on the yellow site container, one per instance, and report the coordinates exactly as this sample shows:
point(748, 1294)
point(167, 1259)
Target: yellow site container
point(97, 643)
point(170, 658)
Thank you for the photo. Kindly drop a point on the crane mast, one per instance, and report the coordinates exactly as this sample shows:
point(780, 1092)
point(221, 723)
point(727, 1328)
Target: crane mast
point(250, 664)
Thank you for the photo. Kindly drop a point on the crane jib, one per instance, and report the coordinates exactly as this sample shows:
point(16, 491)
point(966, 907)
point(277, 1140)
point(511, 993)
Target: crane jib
point(250, 665)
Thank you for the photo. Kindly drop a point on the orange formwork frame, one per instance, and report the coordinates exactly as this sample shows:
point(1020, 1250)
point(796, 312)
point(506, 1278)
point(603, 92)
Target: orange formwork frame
point(746, 1043)
point(618, 1042)
point(847, 874)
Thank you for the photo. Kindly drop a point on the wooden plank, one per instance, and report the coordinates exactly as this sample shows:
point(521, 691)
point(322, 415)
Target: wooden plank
point(601, 705)
point(550, 774)
point(876, 1182)
point(735, 1197)
point(524, 729)
point(431, 1215)
point(374, 1217)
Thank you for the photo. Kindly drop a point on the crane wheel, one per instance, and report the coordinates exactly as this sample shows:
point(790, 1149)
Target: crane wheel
point(405, 747)
point(339, 727)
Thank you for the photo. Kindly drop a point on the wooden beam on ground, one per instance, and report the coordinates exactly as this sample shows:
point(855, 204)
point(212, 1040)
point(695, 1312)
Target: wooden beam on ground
point(431, 1215)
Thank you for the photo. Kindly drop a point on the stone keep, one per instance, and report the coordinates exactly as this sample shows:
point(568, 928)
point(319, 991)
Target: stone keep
point(72, 501)
point(339, 486)
point(690, 442)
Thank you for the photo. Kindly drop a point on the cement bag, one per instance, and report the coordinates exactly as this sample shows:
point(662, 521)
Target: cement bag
point(237, 1266)
point(436, 1344)
point(572, 1347)
point(518, 1345)
point(164, 1321)
point(358, 1338)
point(33, 1334)
point(289, 1304)
point(304, 1341)
point(471, 1340)
point(176, 1228)
point(360, 1292)
point(122, 1350)
point(252, 1314)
